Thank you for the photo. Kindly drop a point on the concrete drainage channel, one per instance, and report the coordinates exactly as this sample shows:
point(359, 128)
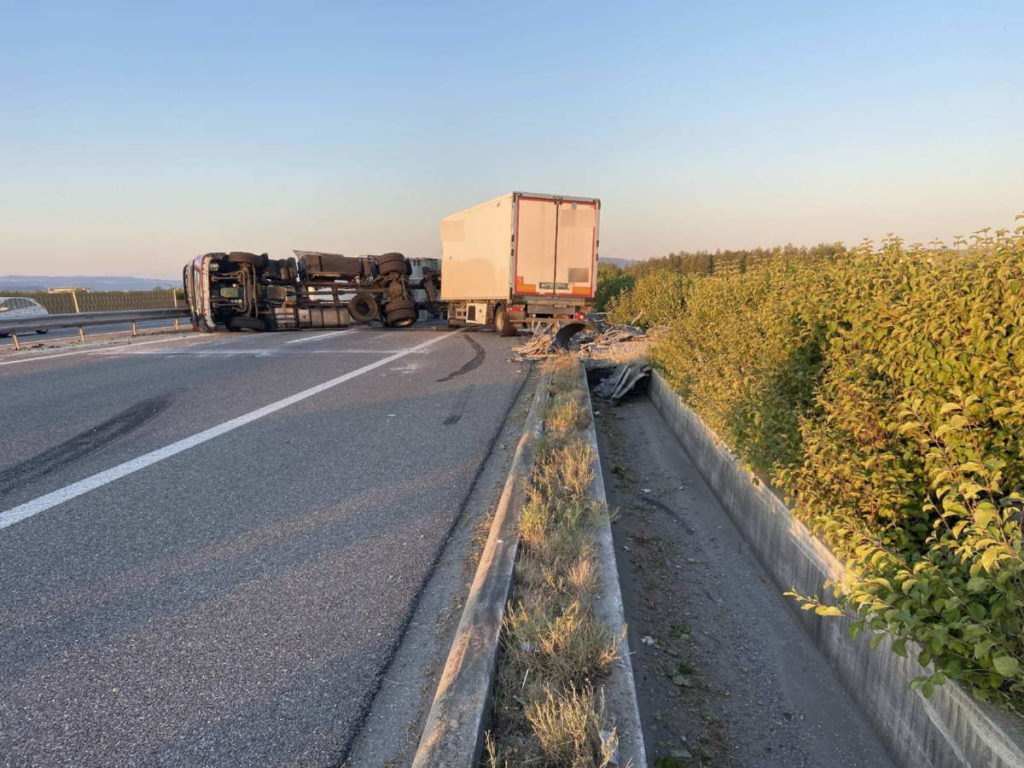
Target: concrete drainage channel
point(458, 718)
point(949, 730)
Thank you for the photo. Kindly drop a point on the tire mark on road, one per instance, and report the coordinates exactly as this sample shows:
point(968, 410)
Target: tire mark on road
point(458, 407)
point(479, 354)
point(59, 456)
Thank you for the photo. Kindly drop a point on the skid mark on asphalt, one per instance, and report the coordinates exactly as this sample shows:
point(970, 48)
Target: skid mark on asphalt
point(100, 479)
point(474, 362)
point(458, 407)
point(82, 444)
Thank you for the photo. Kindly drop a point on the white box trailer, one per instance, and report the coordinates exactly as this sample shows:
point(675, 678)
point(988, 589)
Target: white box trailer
point(520, 259)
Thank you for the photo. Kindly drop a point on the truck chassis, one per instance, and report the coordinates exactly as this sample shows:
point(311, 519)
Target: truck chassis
point(245, 291)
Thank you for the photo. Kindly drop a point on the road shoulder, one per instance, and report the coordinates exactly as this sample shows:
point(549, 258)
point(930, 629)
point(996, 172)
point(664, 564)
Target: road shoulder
point(393, 726)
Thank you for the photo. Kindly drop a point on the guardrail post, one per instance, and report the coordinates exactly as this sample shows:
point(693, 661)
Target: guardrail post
point(14, 337)
point(174, 296)
point(74, 301)
point(135, 331)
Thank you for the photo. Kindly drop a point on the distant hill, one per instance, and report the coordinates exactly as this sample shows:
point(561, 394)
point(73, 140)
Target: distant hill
point(622, 263)
point(103, 283)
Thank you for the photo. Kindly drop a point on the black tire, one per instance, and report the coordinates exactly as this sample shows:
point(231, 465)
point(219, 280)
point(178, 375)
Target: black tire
point(363, 308)
point(43, 331)
point(392, 263)
point(401, 313)
point(502, 324)
point(241, 257)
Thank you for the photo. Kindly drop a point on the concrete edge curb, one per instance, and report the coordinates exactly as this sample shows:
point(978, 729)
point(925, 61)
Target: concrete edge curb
point(453, 734)
point(950, 730)
point(620, 690)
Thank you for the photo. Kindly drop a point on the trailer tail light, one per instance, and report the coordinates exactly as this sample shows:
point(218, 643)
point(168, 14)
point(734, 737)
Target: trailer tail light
point(517, 309)
point(579, 316)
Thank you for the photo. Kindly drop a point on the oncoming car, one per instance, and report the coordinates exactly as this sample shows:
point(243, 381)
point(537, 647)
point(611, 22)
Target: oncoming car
point(13, 307)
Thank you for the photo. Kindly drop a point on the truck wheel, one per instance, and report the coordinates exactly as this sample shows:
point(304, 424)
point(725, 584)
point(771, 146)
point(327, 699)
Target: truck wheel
point(401, 312)
point(363, 308)
point(502, 324)
point(241, 257)
point(392, 263)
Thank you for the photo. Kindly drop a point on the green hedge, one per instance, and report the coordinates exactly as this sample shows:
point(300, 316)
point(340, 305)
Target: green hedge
point(883, 393)
point(654, 299)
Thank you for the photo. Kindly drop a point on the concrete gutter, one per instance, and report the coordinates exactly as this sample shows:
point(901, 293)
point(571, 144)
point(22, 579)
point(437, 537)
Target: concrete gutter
point(620, 688)
point(949, 730)
point(453, 735)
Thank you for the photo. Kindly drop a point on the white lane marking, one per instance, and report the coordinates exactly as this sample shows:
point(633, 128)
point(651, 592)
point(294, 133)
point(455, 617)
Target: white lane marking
point(261, 352)
point(304, 339)
point(43, 503)
point(98, 350)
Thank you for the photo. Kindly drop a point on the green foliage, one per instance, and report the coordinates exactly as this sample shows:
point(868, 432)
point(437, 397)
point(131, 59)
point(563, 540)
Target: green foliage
point(655, 298)
point(728, 261)
point(611, 281)
point(883, 393)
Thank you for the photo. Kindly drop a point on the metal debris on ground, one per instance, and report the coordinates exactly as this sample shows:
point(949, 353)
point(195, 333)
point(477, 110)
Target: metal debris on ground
point(608, 340)
point(623, 381)
point(594, 340)
point(541, 344)
point(621, 350)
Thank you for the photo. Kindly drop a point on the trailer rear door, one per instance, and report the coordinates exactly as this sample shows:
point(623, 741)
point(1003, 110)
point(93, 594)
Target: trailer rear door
point(556, 247)
point(576, 248)
point(535, 234)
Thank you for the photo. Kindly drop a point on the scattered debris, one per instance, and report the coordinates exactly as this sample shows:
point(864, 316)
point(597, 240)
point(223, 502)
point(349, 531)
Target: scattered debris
point(648, 640)
point(540, 345)
point(607, 340)
point(594, 340)
point(623, 381)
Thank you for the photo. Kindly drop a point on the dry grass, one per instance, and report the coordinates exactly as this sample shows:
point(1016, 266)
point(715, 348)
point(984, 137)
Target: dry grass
point(568, 726)
point(554, 650)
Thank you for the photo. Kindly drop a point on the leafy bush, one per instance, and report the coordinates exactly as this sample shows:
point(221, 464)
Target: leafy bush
point(611, 281)
point(883, 393)
point(655, 298)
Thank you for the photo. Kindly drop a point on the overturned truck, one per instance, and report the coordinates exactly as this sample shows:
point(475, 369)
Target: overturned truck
point(245, 291)
point(515, 262)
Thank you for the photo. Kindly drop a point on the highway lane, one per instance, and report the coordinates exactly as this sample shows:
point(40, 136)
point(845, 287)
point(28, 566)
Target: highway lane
point(233, 603)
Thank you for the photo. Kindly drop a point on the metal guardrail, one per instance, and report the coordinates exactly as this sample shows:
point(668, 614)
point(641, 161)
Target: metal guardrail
point(81, 320)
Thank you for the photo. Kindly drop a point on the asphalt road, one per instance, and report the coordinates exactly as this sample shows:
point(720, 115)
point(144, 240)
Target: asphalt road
point(209, 545)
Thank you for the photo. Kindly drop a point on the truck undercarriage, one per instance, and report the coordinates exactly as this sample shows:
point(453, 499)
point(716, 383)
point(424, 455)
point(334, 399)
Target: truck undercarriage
point(238, 290)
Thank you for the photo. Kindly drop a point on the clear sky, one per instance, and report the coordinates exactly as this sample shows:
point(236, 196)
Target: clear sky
point(134, 135)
